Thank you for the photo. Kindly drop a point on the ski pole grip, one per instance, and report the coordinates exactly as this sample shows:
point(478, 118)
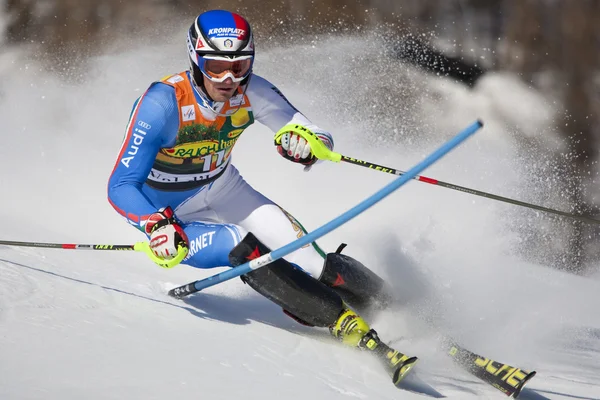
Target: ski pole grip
point(144, 247)
point(316, 145)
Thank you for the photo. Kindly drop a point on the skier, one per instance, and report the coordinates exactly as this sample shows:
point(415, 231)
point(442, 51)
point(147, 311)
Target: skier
point(174, 180)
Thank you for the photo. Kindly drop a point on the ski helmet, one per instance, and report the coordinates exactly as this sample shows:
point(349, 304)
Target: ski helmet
point(220, 46)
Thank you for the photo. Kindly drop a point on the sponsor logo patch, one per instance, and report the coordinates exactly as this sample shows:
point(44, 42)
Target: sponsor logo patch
point(236, 32)
point(158, 241)
point(195, 149)
point(188, 113)
point(174, 79)
point(144, 125)
point(201, 242)
point(138, 139)
point(237, 100)
point(235, 133)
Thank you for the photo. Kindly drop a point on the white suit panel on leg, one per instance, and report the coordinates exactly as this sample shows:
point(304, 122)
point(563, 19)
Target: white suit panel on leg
point(230, 199)
point(237, 202)
point(270, 224)
point(195, 208)
point(198, 207)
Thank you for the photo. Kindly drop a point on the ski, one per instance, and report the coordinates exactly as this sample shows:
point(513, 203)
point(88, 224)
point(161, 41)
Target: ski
point(504, 377)
point(397, 364)
point(399, 367)
point(403, 369)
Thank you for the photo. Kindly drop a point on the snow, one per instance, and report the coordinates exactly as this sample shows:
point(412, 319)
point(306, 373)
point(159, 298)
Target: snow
point(99, 325)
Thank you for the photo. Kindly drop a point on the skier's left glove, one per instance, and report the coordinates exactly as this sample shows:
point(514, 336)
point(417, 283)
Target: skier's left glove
point(167, 238)
point(295, 148)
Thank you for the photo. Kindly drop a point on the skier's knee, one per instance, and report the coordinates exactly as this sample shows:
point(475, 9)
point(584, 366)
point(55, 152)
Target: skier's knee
point(360, 287)
point(287, 286)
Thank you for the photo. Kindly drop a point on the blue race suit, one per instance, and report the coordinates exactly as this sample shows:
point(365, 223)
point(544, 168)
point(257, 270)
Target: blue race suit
point(177, 152)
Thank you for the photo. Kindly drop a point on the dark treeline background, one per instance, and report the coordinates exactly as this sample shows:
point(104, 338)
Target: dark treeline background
point(535, 39)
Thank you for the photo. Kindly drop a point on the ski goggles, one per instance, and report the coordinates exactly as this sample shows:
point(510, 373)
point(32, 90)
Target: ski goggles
point(218, 69)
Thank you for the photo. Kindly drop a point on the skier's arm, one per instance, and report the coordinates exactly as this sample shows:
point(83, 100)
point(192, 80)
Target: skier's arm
point(153, 122)
point(271, 108)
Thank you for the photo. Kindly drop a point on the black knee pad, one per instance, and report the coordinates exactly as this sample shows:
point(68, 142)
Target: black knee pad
point(288, 286)
point(358, 286)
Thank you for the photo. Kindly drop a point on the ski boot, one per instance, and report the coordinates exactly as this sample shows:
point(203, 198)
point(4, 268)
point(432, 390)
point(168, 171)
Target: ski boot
point(349, 328)
point(353, 331)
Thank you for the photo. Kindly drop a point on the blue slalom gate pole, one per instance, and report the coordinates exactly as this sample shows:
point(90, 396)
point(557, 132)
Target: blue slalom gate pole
point(331, 225)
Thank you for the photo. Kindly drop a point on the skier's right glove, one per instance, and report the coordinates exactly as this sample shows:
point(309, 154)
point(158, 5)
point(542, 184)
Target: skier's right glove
point(167, 238)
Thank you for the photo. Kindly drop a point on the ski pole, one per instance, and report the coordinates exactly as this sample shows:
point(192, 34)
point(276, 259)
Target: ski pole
point(337, 157)
point(274, 255)
point(142, 247)
point(432, 181)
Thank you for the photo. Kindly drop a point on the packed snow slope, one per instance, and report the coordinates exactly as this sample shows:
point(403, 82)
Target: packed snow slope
point(99, 325)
